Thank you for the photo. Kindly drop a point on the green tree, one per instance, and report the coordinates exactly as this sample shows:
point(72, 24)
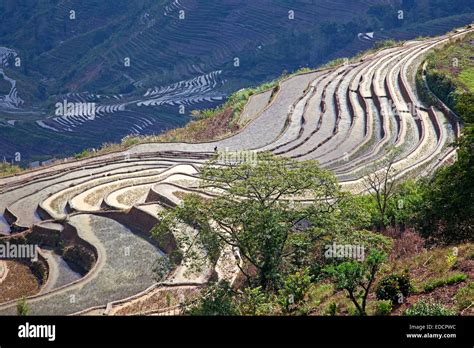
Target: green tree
point(255, 211)
point(447, 214)
point(356, 278)
point(405, 204)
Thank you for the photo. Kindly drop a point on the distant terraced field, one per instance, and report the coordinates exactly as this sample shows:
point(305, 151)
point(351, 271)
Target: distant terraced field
point(178, 60)
point(344, 117)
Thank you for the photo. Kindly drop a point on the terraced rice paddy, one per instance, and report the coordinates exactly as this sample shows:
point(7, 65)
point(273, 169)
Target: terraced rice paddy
point(344, 117)
point(123, 269)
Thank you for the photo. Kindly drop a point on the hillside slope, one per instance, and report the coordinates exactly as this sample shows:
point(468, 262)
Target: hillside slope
point(345, 116)
point(140, 61)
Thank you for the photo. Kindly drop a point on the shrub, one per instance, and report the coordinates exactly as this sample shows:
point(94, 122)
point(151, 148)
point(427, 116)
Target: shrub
point(40, 271)
point(436, 283)
point(81, 258)
point(83, 154)
point(130, 141)
point(356, 278)
point(442, 86)
point(254, 301)
point(22, 307)
point(427, 308)
point(383, 307)
point(217, 299)
point(9, 169)
point(294, 289)
point(49, 238)
point(465, 106)
point(394, 287)
point(447, 214)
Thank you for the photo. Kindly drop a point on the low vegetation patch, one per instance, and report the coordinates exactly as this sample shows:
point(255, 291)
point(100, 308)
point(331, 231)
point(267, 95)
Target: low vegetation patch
point(429, 308)
point(9, 169)
point(452, 279)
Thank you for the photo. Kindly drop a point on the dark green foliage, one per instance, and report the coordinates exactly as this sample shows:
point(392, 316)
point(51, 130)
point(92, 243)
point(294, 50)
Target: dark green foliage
point(79, 258)
point(394, 287)
point(217, 299)
point(49, 238)
point(39, 269)
point(405, 204)
point(465, 106)
point(332, 309)
point(254, 301)
point(442, 86)
point(447, 213)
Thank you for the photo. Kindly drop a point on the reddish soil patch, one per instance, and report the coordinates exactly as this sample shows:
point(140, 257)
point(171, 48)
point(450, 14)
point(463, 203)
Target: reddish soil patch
point(444, 295)
point(211, 128)
point(18, 283)
point(216, 126)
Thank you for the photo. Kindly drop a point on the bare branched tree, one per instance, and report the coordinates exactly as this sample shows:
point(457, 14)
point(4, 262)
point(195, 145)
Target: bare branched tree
point(380, 181)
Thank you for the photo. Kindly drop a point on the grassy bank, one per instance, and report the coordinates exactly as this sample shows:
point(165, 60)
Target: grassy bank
point(450, 73)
